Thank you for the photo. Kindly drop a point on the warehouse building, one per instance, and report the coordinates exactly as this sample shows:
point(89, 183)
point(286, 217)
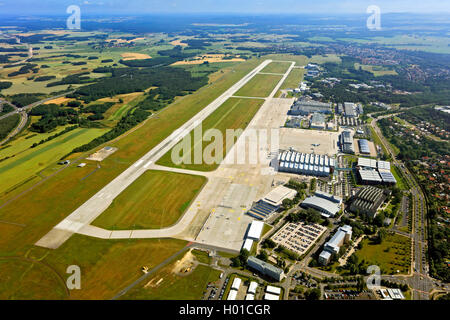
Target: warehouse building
point(368, 200)
point(346, 142)
point(255, 230)
point(375, 172)
point(265, 268)
point(305, 164)
point(265, 207)
point(327, 204)
point(304, 108)
point(252, 287)
point(350, 109)
point(248, 244)
point(364, 146)
point(317, 121)
point(343, 235)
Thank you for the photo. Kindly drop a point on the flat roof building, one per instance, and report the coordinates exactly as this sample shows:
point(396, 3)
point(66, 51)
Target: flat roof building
point(232, 295)
point(265, 207)
point(248, 244)
point(346, 142)
point(250, 296)
point(255, 230)
point(304, 108)
point(269, 296)
point(236, 284)
point(273, 290)
point(343, 235)
point(350, 109)
point(265, 268)
point(252, 287)
point(369, 176)
point(317, 121)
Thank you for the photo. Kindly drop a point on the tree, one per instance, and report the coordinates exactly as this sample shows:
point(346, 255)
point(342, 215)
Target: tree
point(263, 255)
point(287, 204)
point(312, 294)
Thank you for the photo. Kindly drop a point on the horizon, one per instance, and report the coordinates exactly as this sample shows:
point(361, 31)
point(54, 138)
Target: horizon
point(229, 7)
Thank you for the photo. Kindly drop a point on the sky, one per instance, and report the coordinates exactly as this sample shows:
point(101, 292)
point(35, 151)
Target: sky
point(324, 7)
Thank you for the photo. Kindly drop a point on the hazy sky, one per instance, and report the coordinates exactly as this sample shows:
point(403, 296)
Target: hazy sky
point(223, 6)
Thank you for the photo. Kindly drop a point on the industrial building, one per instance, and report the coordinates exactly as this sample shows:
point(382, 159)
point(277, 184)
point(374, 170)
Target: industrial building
point(375, 172)
point(317, 121)
point(364, 146)
point(273, 290)
point(265, 268)
point(265, 207)
point(350, 109)
point(232, 295)
point(343, 235)
point(269, 296)
point(236, 284)
point(255, 230)
point(304, 108)
point(305, 163)
point(346, 142)
point(367, 200)
point(327, 204)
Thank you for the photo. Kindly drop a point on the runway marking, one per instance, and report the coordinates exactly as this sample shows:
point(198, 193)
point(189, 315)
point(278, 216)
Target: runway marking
point(137, 164)
point(148, 164)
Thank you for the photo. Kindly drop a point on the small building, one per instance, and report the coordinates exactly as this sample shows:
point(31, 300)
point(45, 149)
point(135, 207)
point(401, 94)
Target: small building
point(250, 296)
point(252, 287)
point(350, 109)
point(236, 284)
point(273, 290)
point(232, 295)
point(265, 268)
point(265, 207)
point(269, 296)
point(255, 230)
point(82, 165)
point(304, 108)
point(248, 244)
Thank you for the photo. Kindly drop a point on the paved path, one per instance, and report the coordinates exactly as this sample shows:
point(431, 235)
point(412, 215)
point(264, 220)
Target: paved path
point(79, 220)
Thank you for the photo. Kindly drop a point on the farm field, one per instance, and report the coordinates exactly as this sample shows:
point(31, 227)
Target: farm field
point(235, 113)
point(171, 284)
point(276, 67)
point(26, 162)
point(393, 254)
point(260, 85)
point(157, 199)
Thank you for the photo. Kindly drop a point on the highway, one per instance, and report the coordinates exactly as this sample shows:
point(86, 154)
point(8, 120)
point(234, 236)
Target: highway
point(79, 220)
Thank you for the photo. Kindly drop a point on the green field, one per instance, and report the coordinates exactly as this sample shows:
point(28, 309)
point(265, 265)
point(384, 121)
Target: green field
point(276, 67)
point(157, 199)
point(235, 113)
point(293, 80)
point(376, 70)
point(168, 285)
point(393, 254)
point(27, 162)
point(260, 85)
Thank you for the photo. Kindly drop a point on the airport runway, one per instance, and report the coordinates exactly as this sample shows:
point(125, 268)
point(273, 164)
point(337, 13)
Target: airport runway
point(79, 220)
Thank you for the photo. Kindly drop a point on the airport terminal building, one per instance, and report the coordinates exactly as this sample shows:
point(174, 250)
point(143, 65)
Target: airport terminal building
point(305, 163)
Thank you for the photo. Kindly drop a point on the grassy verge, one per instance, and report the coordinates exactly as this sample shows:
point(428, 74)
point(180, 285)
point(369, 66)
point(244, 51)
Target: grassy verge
point(235, 113)
point(157, 199)
point(260, 85)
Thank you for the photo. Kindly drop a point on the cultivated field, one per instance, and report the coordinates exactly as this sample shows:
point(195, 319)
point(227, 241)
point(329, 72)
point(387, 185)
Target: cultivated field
point(235, 113)
point(157, 199)
point(25, 162)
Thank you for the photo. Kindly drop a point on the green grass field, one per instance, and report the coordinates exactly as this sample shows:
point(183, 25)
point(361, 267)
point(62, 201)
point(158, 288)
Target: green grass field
point(393, 254)
point(235, 113)
point(157, 199)
point(168, 285)
point(292, 80)
point(28, 162)
point(276, 67)
point(260, 85)
point(376, 70)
